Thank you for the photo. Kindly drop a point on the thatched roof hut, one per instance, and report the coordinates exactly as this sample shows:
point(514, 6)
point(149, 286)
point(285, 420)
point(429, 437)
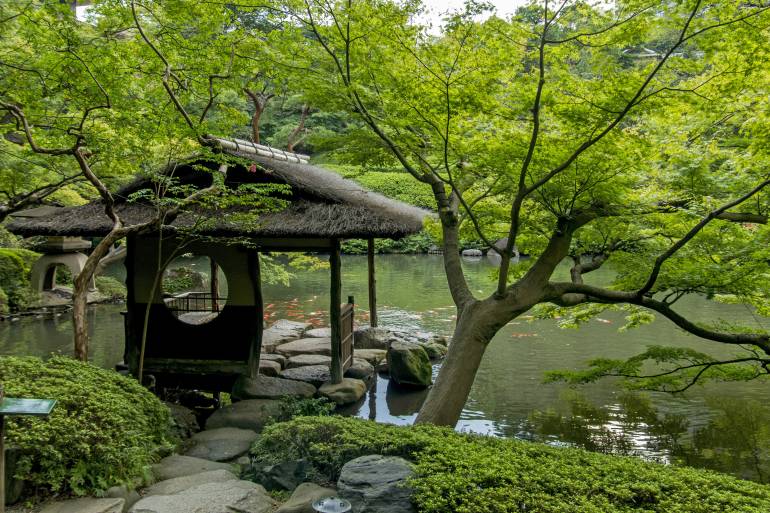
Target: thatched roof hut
point(321, 203)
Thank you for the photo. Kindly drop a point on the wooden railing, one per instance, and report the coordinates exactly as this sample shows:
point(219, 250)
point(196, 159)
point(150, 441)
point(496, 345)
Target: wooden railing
point(193, 302)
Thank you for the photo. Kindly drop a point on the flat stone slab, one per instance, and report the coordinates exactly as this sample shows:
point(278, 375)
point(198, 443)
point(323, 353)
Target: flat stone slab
point(266, 387)
point(180, 484)
point(348, 391)
point(360, 369)
point(273, 358)
point(377, 484)
point(86, 505)
point(251, 414)
point(316, 375)
point(269, 368)
point(303, 360)
point(302, 498)
point(321, 346)
point(223, 497)
point(177, 465)
point(373, 356)
point(319, 333)
point(221, 444)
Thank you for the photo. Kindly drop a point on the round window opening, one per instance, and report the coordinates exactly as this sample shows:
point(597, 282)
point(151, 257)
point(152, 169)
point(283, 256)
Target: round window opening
point(194, 288)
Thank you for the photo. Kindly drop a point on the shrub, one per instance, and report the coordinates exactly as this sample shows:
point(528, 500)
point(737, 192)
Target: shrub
point(417, 243)
point(15, 267)
point(105, 430)
point(111, 287)
point(469, 474)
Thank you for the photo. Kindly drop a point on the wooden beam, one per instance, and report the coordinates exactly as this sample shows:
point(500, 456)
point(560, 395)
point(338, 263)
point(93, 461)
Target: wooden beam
point(256, 345)
point(214, 281)
point(334, 312)
point(372, 284)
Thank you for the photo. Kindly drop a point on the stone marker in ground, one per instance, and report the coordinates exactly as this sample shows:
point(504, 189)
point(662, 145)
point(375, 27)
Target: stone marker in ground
point(302, 498)
point(360, 369)
point(266, 387)
point(319, 333)
point(85, 505)
point(222, 497)
point(177, 465)
point(303, 360)
point(221, 444)
point(269, 367)
point(373, 356)
point(348, 391)
point(306, 346)
point(180, 484)
point(409, 364)
point(316, 375)
point(251, 414)
point(377, 484)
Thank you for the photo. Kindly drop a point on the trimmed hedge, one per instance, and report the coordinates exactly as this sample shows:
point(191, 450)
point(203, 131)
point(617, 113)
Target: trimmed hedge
point(470, 474)
point(105, 430)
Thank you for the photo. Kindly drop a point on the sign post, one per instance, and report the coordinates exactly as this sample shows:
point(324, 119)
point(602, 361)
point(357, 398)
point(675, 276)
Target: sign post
point(11, 406)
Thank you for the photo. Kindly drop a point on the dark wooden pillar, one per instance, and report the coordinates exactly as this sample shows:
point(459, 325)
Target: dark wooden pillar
point(334, 312)
point(256, 344)
point(214, 279)
point(372, 284)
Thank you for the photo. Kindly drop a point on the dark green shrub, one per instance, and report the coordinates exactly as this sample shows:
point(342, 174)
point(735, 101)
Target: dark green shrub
point(182, 279)
point(472, 474)
point(15, 267)
point(105, 430)
point(111, 287)
point(293, 406)
point(417, 243)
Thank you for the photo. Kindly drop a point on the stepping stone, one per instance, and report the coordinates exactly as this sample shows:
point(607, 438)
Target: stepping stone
point(86, 505)
point(274, 358)
point(221, 444)
point(180, 484)
point(283, 331)
point(348, 391)
point(306, 346)
point(266, 387)
point(316, 375)
point(373, 356)
point(319, 333)
point(360, 369)
point(303, 360)
point(302, 498)
point(269, 368)
point(221, 497)
point(177, 465)
point(377, 484)
point(251, 414)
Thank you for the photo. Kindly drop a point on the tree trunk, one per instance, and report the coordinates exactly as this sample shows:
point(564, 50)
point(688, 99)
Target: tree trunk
point(476, 325)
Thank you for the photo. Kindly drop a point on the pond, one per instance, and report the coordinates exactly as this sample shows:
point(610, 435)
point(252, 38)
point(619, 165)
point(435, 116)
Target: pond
point(720, 426)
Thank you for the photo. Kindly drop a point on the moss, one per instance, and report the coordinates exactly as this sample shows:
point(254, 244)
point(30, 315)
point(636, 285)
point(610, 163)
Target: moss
point(15, 267)
point(105, 430)
point(468, 473)
point(111, 288)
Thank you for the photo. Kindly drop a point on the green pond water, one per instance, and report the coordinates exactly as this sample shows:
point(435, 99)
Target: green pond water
point(725, 426)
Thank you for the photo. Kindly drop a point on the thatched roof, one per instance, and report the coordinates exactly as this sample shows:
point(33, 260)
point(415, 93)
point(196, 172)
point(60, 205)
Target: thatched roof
point(322, 203)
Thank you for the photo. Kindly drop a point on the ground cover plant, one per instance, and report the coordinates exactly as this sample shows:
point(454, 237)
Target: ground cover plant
point(469, 473)
point(105, 429)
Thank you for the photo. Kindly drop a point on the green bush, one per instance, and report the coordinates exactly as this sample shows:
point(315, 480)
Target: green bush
point(105, 430)
point(417, 243)
point(15, 267)
point(470, 474)
point(111, 287)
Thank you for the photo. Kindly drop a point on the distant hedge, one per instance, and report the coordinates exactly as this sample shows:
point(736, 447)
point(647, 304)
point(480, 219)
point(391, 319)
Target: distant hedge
point(105, 430)
point(15, 267)
point(471, 474)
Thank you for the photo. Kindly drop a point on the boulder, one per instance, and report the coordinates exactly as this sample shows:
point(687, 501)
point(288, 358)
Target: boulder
point(266, 387)
point(129, 495)
point(177, 465)
point(185, 423)
point(373, 356)
point(283, 476)
point(251, 414)
point(475, 253)
point(360, 369)
point(316, 375)
point(221, 444)
point(306, 346)
point(435, 350)
point(85, 505)
point(303, 360)
point(180, 484)
point(274, 358)
point(409, 364)
point(368, 337)
point(221, 497)
point(348, 391)
point(302, 498)
point(377, 484)
point(269, 368)
point(319, 333)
